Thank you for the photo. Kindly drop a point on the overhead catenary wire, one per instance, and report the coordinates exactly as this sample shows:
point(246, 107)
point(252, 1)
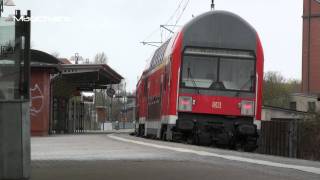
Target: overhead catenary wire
point(182, 5)
point(175, 12)
point(171, 17)
point(183, 10)
point(152, 33)
point(179, 16)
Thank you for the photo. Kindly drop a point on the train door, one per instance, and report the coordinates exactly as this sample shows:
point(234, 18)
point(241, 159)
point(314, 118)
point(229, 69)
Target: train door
point(154, 104)
point(144, 108)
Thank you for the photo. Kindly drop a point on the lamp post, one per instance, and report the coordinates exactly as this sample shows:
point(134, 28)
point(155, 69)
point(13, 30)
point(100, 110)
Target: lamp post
point(6, 3)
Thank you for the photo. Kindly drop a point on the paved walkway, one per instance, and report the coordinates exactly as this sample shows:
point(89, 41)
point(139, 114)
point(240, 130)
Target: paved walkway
point(120, 156)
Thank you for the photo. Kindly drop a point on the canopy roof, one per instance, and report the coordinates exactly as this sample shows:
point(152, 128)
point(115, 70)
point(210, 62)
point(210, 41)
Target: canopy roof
point(84, 77)
point(96, 76)
point(75, 77)
point(43, 60)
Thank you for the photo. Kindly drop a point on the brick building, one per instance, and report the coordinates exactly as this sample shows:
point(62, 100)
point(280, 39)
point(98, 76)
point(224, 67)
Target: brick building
point(311, 47)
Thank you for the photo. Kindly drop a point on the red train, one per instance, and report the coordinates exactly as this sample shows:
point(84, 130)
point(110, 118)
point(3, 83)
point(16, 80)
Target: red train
point(204, 85)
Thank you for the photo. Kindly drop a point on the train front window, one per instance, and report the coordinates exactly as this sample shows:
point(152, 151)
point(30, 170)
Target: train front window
point(199, 72)
point(237, 74)
point(218, 73)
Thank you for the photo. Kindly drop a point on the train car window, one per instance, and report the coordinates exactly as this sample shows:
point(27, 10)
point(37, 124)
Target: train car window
point(237, 74)
point(158, 55)
point(199, 72)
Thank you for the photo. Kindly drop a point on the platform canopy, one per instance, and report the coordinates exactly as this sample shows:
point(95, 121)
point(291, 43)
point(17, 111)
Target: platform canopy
point(96, 76)
point(84, 77)
point(69, 78)
point(43, 60)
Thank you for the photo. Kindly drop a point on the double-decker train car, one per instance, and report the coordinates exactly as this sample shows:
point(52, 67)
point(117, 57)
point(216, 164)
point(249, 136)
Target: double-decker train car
point(204, 85)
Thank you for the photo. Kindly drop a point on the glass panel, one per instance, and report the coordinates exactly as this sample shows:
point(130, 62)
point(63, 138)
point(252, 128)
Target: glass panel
point(220, 53)
point(311, 107)
point(236, 74)
point(9, 62)
point(293, 106)
point(199, 72)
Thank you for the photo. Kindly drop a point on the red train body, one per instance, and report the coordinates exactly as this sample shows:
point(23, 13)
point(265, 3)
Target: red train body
point(204, 85)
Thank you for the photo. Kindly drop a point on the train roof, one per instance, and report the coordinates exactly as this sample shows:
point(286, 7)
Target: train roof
point(221, 29)
point(218, 14)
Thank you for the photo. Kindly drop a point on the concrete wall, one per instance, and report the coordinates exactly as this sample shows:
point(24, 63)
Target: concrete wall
point(14, 140)
point(40, 102)
point(303, 100)
point(269, 113)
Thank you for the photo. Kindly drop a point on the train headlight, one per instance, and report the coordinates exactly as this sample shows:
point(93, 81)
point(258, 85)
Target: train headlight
point(247, 108)
point(185, 103)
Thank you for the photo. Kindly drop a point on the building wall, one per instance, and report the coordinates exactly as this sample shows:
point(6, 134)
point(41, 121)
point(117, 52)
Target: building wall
point(40, 102)
point(311, 46)
point(302, 102)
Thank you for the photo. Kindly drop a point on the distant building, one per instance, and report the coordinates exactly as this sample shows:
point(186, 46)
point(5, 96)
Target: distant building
point(311, 47)
point(275, 113)
point(305, 103)
point(301, 105)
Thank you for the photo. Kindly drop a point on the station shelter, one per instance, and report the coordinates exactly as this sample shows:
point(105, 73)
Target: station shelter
point(56, 102)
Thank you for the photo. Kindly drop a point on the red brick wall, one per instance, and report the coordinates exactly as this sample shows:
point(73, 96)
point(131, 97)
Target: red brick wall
point(40, 102)
point(311, 49)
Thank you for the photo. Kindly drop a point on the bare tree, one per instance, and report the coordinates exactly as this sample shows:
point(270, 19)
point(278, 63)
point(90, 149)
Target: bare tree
point(101, 58)
point(87, 61)
point(277, 89)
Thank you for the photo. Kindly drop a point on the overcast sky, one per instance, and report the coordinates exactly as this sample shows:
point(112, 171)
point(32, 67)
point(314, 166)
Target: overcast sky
point(117, 27)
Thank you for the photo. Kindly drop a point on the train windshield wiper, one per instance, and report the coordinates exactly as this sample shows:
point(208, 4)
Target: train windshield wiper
point(193, 81)
point(245, 84)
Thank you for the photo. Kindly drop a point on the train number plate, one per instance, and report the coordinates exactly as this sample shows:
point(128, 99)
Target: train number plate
point(216, 105)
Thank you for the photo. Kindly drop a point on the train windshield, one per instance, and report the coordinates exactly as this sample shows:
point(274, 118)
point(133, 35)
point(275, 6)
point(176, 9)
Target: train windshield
point(218, 73)
point(237, 74)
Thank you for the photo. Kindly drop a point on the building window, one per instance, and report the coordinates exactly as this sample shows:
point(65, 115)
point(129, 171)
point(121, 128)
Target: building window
point(293, 106)
point(311, 106)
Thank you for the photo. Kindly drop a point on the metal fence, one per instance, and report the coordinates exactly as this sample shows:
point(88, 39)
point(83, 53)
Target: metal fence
point(291, 138)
